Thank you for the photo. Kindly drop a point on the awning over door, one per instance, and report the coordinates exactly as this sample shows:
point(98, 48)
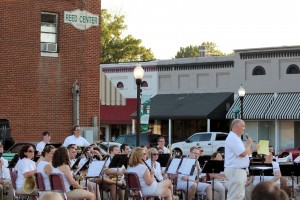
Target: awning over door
point(267, 106)
point(190, 106)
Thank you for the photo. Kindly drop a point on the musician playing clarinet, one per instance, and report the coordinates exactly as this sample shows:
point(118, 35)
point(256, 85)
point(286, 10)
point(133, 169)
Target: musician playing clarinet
point(194, 184)
point(147, 180)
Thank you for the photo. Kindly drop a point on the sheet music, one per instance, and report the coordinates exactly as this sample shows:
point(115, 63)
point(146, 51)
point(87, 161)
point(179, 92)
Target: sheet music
point(186, 166)
point(173, 166)
point(79, 168)
point(95, 168)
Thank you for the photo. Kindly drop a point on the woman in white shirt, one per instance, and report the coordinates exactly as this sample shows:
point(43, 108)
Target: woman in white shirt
point(60, 163)
point(45, 166)
point(148, 183)
point(25, 167)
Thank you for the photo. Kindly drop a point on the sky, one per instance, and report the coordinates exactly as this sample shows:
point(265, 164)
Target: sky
point(166, 25)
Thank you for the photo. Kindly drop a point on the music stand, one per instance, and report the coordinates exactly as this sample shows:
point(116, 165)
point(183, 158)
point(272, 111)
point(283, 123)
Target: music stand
point(213, 166)
point(290, 169)
point(203, 159)
point(163, 159)
point(118, 161)
point(187, 168)
point(94, 171)
point(261, 169)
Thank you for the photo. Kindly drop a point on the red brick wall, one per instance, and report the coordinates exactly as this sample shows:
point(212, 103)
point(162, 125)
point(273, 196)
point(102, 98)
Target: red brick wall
point(35, 91)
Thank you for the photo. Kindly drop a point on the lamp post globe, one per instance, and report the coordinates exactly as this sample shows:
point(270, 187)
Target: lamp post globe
point(242, 93)
point(138, 74)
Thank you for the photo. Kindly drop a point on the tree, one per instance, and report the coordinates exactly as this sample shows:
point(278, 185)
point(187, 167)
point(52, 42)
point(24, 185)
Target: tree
point(114, 47)
point(194, 51)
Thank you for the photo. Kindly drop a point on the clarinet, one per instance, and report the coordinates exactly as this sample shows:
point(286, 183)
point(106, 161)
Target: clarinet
point(150, 170)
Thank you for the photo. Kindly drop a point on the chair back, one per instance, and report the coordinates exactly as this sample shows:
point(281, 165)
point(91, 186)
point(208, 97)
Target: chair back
point(39, 181)
point(133, 186)
point(57, 182)
point(13, 176)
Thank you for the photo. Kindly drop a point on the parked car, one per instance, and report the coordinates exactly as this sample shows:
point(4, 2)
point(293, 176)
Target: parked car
point(209, 141)
point(15, 149)
point(146, 139)
point(285, 152)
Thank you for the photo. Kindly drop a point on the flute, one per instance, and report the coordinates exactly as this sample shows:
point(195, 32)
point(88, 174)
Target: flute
point(157, 180)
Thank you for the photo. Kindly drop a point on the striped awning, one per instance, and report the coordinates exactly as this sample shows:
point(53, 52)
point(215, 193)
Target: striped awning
point(255, 106)
point(285, 106)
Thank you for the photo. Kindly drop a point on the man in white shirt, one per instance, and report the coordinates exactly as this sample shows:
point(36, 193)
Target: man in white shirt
point(46, 139)
point(236, 160)
point(161, 145)
point(76, 138)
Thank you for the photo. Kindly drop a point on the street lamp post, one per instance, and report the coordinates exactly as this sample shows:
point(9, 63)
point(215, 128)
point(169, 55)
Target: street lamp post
point(138, 74)
point(242, 93)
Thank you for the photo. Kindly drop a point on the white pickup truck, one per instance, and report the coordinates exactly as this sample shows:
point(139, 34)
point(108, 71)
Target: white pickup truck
point(209, 141)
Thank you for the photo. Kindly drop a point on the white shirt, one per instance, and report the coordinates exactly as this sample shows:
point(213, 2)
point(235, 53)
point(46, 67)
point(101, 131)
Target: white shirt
point(234, 147)
point(66, 182)
point(23, 165)
point(80, 141)
point(40, 168)
point(140, 171)
point(157, 169)
point(40, 146)
point(4, 171)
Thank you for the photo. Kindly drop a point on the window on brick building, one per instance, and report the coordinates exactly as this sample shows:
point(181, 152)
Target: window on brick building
point(49, 32)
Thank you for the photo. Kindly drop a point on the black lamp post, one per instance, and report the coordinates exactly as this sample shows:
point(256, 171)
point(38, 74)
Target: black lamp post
point(138, 73)
point(242, 93)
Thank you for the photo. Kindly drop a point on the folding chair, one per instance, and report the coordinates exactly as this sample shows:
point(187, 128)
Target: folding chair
point(39, 182)
point(13, 176)
point(57, 185)
point(133, 187)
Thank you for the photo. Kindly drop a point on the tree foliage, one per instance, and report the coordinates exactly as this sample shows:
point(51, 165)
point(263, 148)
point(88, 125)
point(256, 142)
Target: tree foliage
point(114, 47)
point(193, 51)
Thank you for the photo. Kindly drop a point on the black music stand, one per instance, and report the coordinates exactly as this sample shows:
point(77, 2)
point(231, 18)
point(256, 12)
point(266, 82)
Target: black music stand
point(213, 166)
point(290, 169)
point(203, 159)
point(118, 161)
point(188, 170)
point(163, 159)
point(261, 170)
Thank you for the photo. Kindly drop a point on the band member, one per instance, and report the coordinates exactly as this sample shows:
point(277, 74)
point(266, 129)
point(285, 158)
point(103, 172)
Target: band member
point(45, 165)
point(146, 177)
point(152, 162)
point(161, 145)
point(25, 167)
point(125, 149)
point(76, 138)
point(41, 145)
point(113, 173)
point(5, 181)
point(60, 164)
point(72, 155)
point(220, 185)
point(194, 184)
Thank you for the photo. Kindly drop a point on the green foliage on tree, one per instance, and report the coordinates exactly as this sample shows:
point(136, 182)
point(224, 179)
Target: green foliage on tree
point(114, 47)
point(194, 51)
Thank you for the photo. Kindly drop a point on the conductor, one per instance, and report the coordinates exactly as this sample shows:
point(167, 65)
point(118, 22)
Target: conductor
point(236, 160)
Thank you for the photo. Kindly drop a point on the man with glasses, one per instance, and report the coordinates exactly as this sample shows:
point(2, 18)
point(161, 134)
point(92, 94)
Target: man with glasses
point(161, 145)
point(194, 184)
point(76, 138)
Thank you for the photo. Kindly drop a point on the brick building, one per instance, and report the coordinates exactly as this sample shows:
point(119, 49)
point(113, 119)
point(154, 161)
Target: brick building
point(42, 59)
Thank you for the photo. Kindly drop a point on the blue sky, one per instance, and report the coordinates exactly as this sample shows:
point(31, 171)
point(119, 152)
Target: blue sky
point(166, 25)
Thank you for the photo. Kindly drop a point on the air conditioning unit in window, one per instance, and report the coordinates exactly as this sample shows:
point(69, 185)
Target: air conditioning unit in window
point(48, 47)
